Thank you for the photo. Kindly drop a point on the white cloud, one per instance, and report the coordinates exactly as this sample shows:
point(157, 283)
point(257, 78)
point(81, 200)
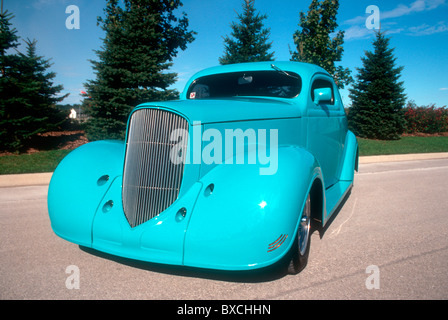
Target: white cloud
point(403, 10)
point(432, 4)
point(416, 6)
point(424, 29)
point(40, 4)
point(357, 32)
point(357, 29)
point(356, 20)
point(443, 89)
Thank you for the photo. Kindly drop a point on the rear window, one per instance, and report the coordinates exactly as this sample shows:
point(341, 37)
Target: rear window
point(251, 83)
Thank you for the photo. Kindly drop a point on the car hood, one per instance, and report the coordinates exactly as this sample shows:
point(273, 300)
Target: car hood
point(229, 110)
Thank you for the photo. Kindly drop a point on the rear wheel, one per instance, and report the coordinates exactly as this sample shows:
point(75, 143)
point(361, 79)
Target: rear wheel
point(301, 246)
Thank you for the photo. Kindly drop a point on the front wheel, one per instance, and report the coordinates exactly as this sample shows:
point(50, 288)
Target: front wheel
point(301, 246)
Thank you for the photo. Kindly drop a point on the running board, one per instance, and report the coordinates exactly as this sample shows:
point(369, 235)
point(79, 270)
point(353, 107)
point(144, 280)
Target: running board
point(334, 196)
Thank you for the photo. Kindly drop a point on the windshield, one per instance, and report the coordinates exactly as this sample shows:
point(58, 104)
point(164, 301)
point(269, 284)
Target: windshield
point(251, 83)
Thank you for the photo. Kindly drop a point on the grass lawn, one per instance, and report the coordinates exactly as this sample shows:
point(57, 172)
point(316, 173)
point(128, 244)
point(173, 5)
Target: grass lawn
point(403, 146)
point(44, 161)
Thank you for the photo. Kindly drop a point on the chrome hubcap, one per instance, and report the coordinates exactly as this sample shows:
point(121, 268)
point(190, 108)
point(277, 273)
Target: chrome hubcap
point(304, 227)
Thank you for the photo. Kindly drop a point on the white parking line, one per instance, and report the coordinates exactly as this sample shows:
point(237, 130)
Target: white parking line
point(336, 231)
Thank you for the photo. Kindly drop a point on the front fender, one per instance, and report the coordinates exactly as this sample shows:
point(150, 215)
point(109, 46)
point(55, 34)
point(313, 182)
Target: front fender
point(78, 185)
point(245, 220)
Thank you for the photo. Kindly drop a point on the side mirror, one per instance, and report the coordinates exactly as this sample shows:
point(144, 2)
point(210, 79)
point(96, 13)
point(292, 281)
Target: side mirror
point(322, 94)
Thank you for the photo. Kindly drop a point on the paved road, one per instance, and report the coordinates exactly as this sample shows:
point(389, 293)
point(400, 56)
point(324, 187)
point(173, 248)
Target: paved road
point(389, 241)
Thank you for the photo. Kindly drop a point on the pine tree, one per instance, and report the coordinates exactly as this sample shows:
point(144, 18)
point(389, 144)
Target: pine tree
point(8, 36)
point(249, 43)
point(9, 75)
point(142, 38)
point(28, 96)
point(378, 95)
point(39, 91)
point(314, 41)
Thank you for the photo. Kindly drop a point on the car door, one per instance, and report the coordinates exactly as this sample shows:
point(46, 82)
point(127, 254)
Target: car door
point(327, 126)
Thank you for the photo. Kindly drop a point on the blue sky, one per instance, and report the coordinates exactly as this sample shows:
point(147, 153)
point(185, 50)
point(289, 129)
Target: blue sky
point(418, 31)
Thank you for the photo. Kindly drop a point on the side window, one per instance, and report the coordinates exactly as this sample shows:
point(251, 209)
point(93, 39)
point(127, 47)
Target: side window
point(322, 83)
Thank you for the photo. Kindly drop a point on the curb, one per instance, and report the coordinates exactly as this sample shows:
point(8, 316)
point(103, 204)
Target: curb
point(403, 157)
point(36, 179)
point(27, 179)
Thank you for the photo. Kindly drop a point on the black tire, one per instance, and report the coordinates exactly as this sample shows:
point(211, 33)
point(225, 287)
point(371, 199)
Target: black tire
point(301, 247)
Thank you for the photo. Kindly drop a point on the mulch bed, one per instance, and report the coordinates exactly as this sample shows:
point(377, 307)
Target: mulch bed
point(62, 140)
point(421, 134)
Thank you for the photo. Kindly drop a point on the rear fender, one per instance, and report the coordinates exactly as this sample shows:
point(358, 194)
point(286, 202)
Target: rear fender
point(350, 159)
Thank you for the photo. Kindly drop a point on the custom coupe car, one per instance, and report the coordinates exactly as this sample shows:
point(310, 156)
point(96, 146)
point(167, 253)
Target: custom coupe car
point(228, 177)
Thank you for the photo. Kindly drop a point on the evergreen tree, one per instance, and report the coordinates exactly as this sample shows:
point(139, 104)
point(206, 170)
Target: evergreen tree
point(39, 90)
point(378, 95)
point(8, 36)
point(28, 96)
point(315, 44)
point(142, 38)
point(250, 38)
point(9, 75)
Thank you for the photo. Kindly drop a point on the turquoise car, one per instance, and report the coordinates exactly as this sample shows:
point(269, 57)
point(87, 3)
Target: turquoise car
point(229, 177)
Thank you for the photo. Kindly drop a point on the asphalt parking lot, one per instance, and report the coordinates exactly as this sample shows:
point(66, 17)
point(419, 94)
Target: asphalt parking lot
point(389, 241)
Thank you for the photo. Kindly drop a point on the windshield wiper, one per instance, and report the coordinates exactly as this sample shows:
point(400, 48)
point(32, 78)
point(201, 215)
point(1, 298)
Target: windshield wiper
point(282, 71)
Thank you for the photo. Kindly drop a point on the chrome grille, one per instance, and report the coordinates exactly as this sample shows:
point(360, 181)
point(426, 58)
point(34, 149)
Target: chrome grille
point(151, 181)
